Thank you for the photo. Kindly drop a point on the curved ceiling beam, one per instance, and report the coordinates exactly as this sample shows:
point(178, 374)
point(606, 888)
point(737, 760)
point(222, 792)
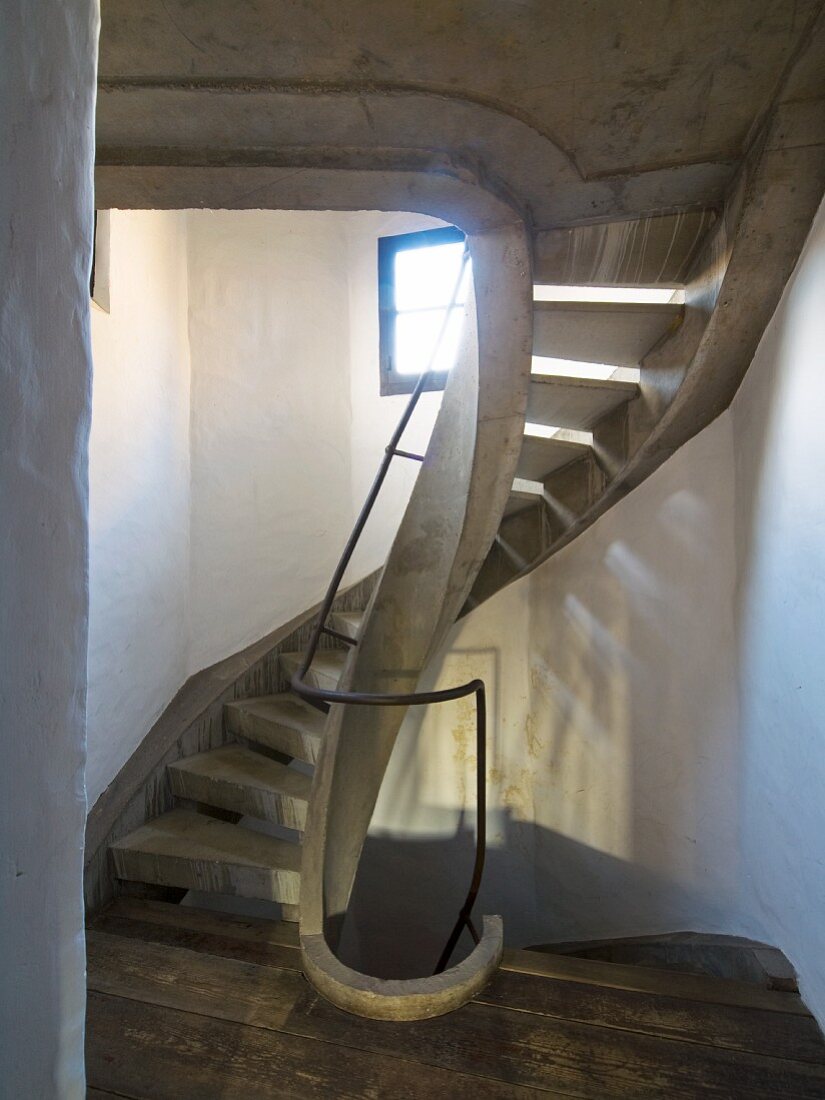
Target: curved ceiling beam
point(247, 124)
point(623, 88)
point(442, 192)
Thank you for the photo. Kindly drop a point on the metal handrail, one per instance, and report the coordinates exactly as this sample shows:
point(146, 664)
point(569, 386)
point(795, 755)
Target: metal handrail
point(322, 698)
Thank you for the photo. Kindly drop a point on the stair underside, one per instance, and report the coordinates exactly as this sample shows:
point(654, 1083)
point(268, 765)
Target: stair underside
point(196, 852)
point(575, 402)
point(540, 456)
point(559, 478)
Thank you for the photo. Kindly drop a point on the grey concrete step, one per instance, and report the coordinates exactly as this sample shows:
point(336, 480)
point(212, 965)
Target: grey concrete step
point(324, 672)
point(575, 402)
point(347, 622)
point(620, 333)
point(282, 722)
point(541, 456)
point(238, 779)
point(196, 852)
point(523, 495)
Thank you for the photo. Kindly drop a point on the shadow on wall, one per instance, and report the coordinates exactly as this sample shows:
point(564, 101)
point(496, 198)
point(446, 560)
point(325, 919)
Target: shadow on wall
point(409, 892)
point(613, 779)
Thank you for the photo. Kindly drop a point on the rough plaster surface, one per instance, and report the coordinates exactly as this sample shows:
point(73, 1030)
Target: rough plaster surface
point(270, 419)
point(780, 606)
point(47, 78)
point(656, 750)
point(236, 427)
point(139, 490)
point(288, 427)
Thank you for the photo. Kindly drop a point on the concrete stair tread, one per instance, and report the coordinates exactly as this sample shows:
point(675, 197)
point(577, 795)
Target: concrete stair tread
point(238, 779)
point(653, 309)
point(541, 456)
point(520, 498)
point(325, 671)
point(189, 835)
point(570, 402)
point(283, 722)
point(347, 622)
point(618, 333)
point(191, 850)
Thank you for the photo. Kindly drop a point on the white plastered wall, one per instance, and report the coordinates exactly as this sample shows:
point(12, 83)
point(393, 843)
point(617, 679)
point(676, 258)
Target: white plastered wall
point(656, 704)
point(269, 329)
point(237, 426)
point(48, 53)
point(779, 450)
point(139, 489)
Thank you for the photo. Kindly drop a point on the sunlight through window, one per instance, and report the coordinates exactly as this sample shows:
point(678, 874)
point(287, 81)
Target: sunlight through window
point(418, 273)
point(424, 282)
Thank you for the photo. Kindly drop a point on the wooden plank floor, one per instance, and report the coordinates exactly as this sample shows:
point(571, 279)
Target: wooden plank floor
point(184, 1004)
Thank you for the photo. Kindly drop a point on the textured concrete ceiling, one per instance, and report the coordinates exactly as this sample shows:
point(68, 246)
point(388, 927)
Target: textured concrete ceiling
point(566, 91)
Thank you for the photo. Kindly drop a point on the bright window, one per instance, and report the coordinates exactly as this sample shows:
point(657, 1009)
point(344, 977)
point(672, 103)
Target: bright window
point(417, 274)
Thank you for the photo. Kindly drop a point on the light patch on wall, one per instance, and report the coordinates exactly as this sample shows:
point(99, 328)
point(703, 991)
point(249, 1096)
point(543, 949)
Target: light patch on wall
point(638, 577)
point(591, 628)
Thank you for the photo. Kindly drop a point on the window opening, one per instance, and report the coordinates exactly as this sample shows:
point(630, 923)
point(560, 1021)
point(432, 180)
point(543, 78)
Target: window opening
point(416, 278)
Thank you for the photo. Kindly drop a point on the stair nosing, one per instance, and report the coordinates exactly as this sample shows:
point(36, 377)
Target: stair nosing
point(617, 385)
point(664, 309)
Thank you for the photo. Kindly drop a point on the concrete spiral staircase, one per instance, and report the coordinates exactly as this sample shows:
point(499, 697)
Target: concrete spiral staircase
point(223, 116)
point(264, 774)
point(213, 842)
point(577, 417)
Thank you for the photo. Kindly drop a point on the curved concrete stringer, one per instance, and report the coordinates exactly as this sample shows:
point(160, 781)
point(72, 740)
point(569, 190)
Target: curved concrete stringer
point(448, 527)
point(403, 999)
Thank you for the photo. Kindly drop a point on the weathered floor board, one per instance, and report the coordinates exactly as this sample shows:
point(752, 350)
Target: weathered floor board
point(184, 1003)
point(785, 1034)
point(150, 1051)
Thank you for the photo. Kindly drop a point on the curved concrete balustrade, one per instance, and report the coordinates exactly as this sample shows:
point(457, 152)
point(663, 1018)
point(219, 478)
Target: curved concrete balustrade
point(441, 190)
point(448, 527)
point(410, 999)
